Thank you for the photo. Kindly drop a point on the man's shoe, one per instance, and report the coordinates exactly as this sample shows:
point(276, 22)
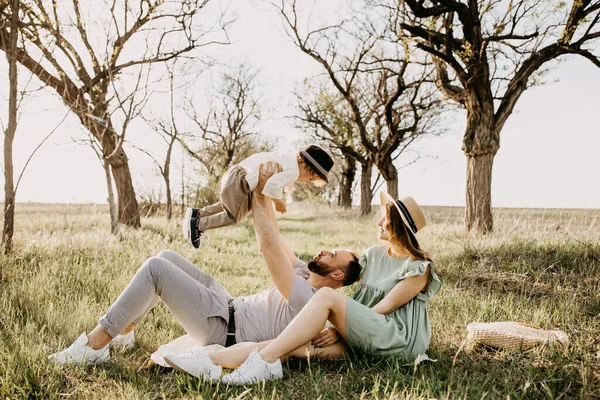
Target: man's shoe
point(197, 364)
point(79, 353)
point(123, 342)
point(254, 370)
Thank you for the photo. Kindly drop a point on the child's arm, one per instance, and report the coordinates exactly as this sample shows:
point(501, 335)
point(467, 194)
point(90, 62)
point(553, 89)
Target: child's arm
point(274, 186)
point(280, 206)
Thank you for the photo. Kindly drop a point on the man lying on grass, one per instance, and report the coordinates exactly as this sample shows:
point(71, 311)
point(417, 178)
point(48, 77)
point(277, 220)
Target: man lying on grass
point(205, 309)
point(386, 317)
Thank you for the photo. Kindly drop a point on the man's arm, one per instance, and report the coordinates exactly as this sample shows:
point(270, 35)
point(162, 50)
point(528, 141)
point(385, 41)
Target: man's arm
point(278, 263)
point(287, 250)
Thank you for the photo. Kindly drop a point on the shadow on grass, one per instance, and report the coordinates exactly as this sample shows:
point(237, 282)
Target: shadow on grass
point(500, 283)
point(528, 260)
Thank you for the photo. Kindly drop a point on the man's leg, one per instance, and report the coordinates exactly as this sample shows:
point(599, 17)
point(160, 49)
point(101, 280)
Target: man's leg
point(201, 311)
point(194, 271)
point(190, 269)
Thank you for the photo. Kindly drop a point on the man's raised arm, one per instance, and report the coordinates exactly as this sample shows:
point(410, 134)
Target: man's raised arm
point(267, 235)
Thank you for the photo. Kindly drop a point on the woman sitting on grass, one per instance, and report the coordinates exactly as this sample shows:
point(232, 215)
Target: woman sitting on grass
point(386, 316)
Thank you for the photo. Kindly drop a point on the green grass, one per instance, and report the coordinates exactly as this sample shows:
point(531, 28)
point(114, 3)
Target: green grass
point(67, 269)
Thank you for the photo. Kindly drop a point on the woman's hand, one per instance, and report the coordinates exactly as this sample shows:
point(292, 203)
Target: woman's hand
point(326, 337)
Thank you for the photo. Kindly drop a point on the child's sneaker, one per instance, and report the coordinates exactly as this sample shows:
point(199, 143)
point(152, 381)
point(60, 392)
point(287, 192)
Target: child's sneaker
point(190, 213)
point(189, 226)
point(123, 342)
point(185, 222)
point(79, 353)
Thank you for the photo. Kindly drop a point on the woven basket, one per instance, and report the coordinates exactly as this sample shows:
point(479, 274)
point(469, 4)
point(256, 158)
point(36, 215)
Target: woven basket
point(513, 335)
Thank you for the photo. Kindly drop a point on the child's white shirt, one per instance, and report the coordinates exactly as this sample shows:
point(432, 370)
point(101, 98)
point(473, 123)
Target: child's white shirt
point(276, 183)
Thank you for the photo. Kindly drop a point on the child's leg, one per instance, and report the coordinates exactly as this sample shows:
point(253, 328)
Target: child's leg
point(235, 201)
point(215, 221)
point(211, 210)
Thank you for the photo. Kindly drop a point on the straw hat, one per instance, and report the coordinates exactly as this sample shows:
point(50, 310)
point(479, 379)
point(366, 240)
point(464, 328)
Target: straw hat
point(409, 210)
point(513, 335)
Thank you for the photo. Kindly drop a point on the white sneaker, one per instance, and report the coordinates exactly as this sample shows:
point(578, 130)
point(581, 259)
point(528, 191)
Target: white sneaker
point(123, 342)
point(79, 353)
point(185, 223)
point(254, 370)
point(197, 364)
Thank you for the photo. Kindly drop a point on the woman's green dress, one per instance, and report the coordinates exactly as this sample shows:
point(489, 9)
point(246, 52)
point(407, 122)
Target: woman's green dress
point(406, 331)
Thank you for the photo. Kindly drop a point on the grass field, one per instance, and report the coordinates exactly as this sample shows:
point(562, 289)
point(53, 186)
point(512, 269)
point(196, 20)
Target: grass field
point(67, 269)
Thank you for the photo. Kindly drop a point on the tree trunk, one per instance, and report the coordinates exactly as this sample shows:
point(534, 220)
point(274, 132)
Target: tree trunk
point(182, 190)
point(390, 175)
point(366, 194)
point(112, 207)
point(9, 135)
point(478, 213)
point(129, 213)
point(348, 175)
point(169, 201)
point(480, 144)
point(167, 176)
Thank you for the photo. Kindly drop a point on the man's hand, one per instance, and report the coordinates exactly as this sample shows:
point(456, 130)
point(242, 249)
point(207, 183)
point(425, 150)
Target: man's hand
point(280, 206)
point(326, 337)
point(265, 171)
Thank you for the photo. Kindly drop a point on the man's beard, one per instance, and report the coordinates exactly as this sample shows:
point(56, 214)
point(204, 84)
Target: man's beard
point(319, 267)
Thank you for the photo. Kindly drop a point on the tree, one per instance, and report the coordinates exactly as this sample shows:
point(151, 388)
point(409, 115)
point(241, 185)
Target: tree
point(129, 107)
point(487, 53)
point(167, 128)
point(341, 181)
point(78, 56)
point(15, 102)
point(327, 119)
point(386, 92)
point(224, 132)
point(9, 133)
point(348, 173)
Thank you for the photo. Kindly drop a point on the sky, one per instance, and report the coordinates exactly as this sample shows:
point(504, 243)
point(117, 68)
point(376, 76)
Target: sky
point(548, 156)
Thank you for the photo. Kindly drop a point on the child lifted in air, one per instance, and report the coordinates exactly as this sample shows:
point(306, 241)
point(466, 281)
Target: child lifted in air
point(309, 165)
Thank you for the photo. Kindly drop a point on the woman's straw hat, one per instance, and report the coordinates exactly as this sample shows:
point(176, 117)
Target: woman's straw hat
point(409, 210)
point(513, 335)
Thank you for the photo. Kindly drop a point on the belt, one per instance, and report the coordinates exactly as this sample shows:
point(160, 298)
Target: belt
point(231, 326)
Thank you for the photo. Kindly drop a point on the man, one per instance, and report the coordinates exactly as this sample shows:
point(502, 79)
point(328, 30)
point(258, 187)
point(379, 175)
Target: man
point(203, 306)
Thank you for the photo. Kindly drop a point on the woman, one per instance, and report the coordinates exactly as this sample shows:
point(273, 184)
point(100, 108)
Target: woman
point(386, 317)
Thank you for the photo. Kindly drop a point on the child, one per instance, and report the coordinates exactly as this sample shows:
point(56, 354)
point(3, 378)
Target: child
point(311, 164)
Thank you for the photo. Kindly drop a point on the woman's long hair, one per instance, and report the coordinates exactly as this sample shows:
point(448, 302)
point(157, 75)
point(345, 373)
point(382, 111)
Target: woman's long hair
point(403, 241)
